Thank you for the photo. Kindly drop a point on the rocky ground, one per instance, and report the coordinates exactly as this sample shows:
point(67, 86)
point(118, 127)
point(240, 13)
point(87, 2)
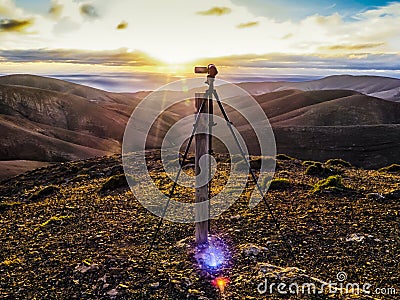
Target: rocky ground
point(75, 231)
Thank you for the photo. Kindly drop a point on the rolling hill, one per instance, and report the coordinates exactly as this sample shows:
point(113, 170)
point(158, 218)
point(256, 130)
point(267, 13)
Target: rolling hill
point(382, 87)
point(46, 120)
point(318, 125)
point(49, 120)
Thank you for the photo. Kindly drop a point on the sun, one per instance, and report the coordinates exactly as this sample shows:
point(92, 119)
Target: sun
point(174, 56)
point(175, 68)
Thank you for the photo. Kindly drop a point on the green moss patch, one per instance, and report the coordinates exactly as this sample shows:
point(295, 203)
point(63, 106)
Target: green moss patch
point(54, 221)
point(114, 182)
point(337, 162)
point(257, 161)
point(44, 192)
point(395, 168)
point(8, 205)
point(276, 183)
point(309, 163)
point(284, 157)
point(318, 169)
point(330, 184)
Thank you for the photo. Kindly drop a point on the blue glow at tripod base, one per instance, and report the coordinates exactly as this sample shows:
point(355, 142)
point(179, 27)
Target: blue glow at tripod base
point(214, 256)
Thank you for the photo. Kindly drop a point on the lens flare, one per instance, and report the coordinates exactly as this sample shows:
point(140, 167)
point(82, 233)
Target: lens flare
point(213, 256)
point(220, 283)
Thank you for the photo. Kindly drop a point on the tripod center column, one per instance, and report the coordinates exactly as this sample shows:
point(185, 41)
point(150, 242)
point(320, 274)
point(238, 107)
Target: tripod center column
point(202, 148)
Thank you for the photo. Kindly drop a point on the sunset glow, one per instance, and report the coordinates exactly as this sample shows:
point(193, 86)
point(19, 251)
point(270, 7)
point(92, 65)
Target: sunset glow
point(313, 38)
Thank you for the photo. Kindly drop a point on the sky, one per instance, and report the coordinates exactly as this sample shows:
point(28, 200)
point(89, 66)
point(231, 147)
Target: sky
point(245, 38)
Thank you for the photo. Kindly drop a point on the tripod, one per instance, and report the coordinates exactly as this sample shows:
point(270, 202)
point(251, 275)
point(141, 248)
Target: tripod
point(208, 99)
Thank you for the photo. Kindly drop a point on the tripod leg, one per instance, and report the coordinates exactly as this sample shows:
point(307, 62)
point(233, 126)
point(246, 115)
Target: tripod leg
point(171, 193)
point(229, 123)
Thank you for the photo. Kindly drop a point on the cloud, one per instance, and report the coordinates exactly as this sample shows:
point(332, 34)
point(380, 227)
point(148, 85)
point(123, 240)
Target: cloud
point(122, 25)
point(8, 8)
point(120, 81)
point(120, 57)
point(355, 61)
point(89, 10)
point(352, 47)
point(247, 25)
point(13, 25)
point(287, 36)
point(182, 36)
point(56, 10)
point(216, 11)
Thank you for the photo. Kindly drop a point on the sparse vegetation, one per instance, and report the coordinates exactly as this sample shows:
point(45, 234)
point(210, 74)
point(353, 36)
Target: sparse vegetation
point(395, 168)
point(8, 205)
point(11, 261)
point(337, 162)
point(309, 163)
point(275, 183)
point(85, 243)
point(256, 162)
point(44, 192)
point(54, 221)
point(284, 157)
point(173, 163)
point(279, 184)
point(330, 184)
point(131, 179)
point(114, 182)
point(236, 158)
point(241, 165)
point(81, 178)
point(318, 169)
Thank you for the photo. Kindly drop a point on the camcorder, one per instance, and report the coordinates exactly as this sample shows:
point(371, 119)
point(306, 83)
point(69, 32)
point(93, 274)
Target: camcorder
point(201, 70)
point(211, 70)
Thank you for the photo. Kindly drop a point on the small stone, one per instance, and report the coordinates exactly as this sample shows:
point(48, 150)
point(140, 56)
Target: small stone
point(112, 292)
point(355, 238)
point(195, 292)
point(253, 250)
point(155, 285)
point(85, 267)
point(375, 196)
point(187, 281)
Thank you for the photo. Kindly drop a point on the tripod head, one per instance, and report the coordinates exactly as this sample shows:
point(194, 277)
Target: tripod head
point(212, 72)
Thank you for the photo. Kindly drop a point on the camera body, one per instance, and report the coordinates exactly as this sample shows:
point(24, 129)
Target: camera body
point(211, 70)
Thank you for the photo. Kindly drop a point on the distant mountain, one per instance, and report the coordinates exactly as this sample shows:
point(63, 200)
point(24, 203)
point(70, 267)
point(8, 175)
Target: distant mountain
point(49, 120)
point(45, 120)
point(319, 125)
point(327, 108)
point(382, 87)
point(56, 85)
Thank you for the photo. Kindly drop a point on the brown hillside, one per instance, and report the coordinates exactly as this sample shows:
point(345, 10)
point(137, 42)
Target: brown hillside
point(356, 109)
point(44, 125)
point(370, 85)
point(61, 86)
point(46, 119)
